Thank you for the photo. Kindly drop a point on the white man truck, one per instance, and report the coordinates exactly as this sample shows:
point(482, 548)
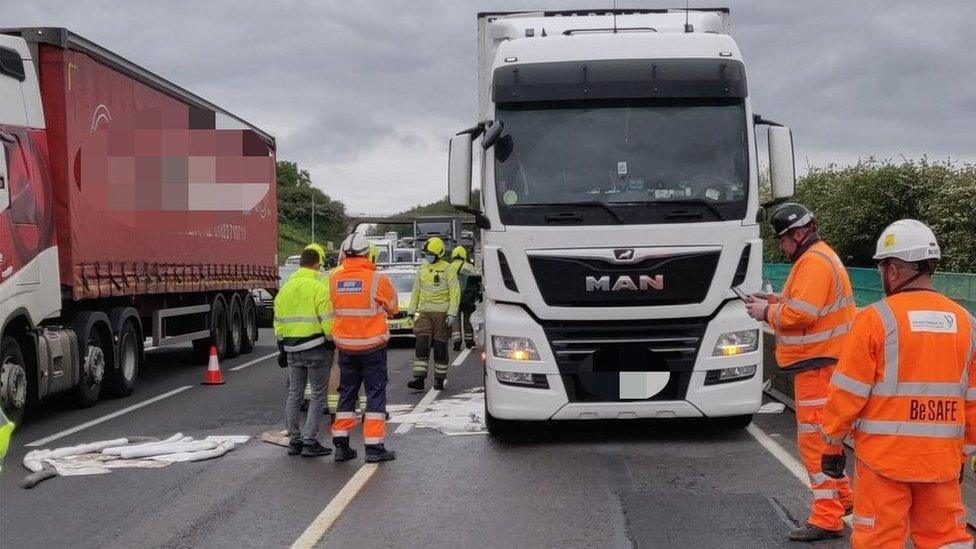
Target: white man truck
point(619, 209)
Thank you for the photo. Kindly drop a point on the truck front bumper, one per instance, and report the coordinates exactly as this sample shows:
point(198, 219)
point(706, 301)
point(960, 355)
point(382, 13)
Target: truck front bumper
point(551, 400)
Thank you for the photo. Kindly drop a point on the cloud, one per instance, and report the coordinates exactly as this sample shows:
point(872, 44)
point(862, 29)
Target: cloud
point(366, 94)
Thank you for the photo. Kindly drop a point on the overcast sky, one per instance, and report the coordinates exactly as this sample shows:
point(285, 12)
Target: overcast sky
point(365, 94)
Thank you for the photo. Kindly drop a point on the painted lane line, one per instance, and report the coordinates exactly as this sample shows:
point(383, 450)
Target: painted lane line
point(420, 407)
point(459, 360)
point(107, 417)
point(328, 517)
point(253, 362)
point(792, 464)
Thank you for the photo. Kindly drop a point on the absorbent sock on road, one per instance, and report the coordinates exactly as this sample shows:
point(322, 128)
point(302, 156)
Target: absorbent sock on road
point(124, 453)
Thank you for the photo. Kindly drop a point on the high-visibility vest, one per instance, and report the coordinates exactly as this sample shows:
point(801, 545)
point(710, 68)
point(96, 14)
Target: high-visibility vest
point(6, 430)
point(436, 289)
point(905, 385)
point(303, 312)
point(361, 300)
point(816, 309)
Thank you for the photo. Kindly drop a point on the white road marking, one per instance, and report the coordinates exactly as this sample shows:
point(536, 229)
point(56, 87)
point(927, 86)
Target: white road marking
point(792, 464)
point(253, 362)
point(459, 360)
point(327, 518)
point(420, 407)
point(107, 417)
point(324, 521)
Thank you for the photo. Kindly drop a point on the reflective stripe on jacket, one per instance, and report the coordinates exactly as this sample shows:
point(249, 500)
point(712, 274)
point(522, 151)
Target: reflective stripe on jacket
point(905, 386)
point(436, 289)
point(816, 308)
point(362, 299)
point(303, 312)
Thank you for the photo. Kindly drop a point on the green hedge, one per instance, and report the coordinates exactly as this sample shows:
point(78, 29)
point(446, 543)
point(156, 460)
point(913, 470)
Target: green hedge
point(854, 204)
point(867, 284)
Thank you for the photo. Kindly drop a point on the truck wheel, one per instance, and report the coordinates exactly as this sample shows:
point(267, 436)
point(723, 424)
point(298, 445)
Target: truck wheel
point(122, 380)
point(96, 354)
point(235, 327)
point(16, 387)
point(250, 325)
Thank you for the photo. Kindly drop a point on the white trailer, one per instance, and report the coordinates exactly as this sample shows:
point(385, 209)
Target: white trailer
point(620, 207)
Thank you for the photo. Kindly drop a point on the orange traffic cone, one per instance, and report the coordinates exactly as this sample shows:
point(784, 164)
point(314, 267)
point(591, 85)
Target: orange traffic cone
point(213, 376)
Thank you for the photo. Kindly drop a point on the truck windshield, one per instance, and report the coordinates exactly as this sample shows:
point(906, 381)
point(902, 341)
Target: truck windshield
point(622, 161)
point(442, 228)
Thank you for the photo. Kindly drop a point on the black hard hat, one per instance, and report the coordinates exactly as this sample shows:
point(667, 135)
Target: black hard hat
point(790, 216)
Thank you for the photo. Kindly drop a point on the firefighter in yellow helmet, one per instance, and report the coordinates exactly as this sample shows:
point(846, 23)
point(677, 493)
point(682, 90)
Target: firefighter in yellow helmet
point(434, 303)
point(469, 279)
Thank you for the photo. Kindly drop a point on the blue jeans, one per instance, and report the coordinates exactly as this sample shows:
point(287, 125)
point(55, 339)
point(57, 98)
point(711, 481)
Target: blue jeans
point(303, 367)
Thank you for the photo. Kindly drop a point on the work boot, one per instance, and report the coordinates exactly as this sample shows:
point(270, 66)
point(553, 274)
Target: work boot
point(417, 384)
point(457, 345)
point(295, 447)
point(344, 453)
point(439, 384)
point(315, 449)
point(380, 455)
point(809, 532)
point(469, 344)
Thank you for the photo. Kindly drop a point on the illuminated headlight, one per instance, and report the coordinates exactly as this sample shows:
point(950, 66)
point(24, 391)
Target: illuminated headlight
point(736, 343)
point(514, 348)
point(523, 378)
point(726, 375)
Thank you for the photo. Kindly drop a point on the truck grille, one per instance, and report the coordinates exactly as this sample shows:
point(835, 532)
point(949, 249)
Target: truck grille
point(594, 282)
point(589, 351)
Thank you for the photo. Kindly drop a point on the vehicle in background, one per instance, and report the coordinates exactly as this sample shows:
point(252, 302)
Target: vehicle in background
point(401, 325)
point(619, 208)
point(130, 208)
point(444, 226)
point(293, 261)
point(405, 256)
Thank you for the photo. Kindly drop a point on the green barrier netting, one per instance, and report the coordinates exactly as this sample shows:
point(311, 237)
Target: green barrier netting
point(867, 284)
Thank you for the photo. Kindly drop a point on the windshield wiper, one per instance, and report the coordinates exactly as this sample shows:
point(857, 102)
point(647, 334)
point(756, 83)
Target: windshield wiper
point(694, 202)
point(593, 204)
point(587, 203)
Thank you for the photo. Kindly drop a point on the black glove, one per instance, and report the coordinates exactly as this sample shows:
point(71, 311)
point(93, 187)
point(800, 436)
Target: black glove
point(833, 465)
point(282, 356)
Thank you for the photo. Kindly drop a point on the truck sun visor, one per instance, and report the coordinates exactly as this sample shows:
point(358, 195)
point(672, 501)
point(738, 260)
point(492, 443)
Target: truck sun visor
point(619, 79)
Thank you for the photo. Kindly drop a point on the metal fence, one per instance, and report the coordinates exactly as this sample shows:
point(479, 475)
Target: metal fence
point(867, 284)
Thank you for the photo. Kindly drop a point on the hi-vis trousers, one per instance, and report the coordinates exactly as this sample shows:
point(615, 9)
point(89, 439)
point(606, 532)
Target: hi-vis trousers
point(830, 497)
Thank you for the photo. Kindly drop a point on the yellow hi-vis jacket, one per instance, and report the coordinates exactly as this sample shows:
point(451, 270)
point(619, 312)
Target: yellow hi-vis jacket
point(436, 289)
point(6, 429)
point(303, 312)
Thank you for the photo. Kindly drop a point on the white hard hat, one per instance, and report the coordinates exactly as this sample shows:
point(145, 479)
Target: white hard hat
point(908, 240)
point(355, 244)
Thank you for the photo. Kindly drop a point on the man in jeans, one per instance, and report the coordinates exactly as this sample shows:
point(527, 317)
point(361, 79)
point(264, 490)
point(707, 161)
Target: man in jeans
point(303, 327)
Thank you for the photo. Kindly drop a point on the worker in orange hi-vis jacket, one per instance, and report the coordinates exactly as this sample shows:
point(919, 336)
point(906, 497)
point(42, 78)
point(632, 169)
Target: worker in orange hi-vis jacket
point(362, 300)
point(906, 387)
point(811, 319)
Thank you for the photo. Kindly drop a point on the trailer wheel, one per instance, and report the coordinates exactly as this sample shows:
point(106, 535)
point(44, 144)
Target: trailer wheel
point(218, 331)
point(122, 380)
point(16, 386)
point(250, 325)
point(96, 354)
point(235, 327)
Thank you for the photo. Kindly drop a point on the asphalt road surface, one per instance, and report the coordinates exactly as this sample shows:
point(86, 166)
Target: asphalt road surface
point(620, 484)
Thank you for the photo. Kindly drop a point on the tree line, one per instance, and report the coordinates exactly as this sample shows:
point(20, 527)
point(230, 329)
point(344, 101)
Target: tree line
point(854, 204)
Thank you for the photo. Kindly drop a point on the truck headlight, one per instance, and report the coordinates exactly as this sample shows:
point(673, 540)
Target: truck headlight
point(736, 343)
point(514, 348)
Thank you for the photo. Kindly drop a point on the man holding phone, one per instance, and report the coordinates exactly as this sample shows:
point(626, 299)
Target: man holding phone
point(811, 319)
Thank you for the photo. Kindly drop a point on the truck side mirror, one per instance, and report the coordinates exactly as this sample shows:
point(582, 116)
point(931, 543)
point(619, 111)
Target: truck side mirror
point(782, 172)
point(459, 170)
